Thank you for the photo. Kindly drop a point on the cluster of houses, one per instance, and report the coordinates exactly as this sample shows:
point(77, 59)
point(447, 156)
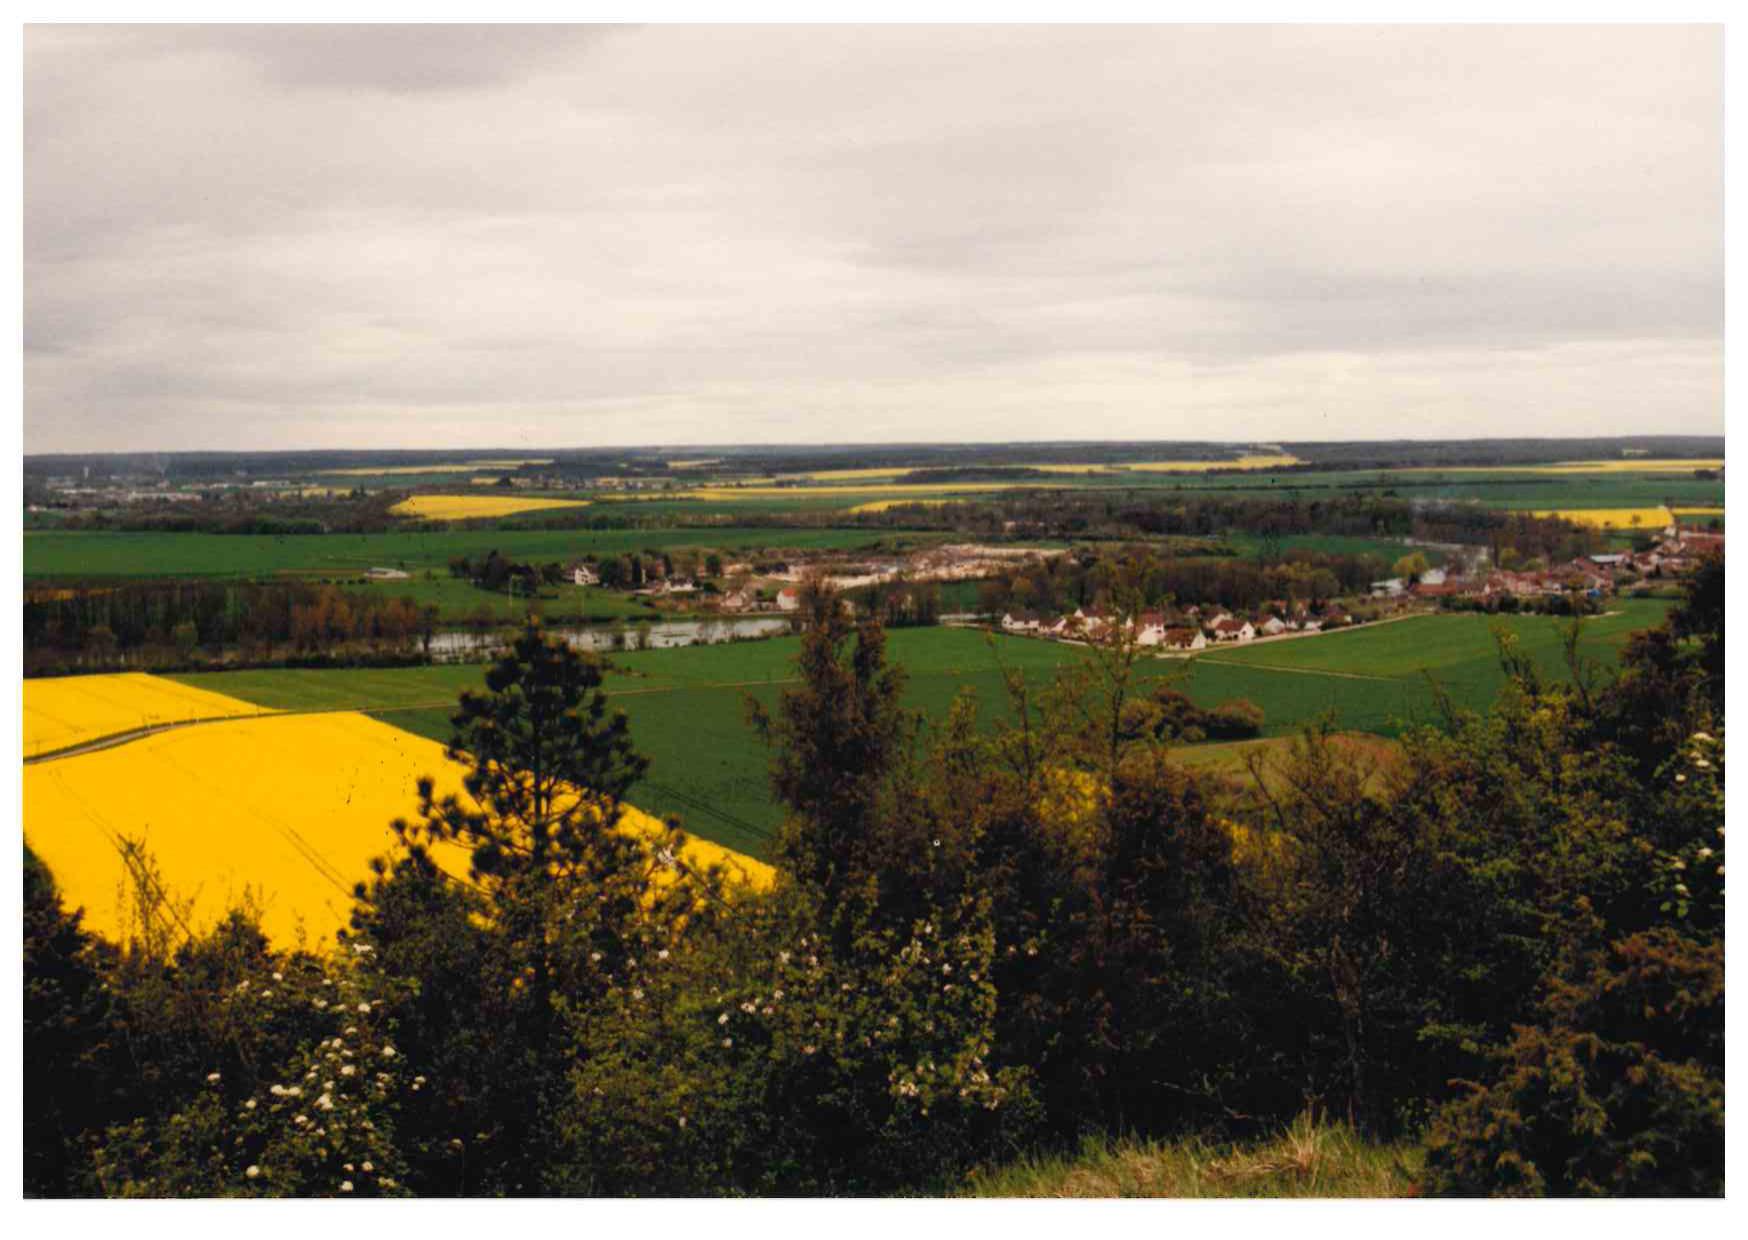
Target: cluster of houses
point(742, 599)
point(1187, 630)
point(1594, 576)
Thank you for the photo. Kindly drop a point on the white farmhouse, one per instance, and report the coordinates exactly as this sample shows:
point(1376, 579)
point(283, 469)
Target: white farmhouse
point(1185, 639)
point(1230, 630)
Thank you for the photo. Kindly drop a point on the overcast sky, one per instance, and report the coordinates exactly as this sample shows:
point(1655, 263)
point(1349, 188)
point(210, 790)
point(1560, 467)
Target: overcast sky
point(279, 237)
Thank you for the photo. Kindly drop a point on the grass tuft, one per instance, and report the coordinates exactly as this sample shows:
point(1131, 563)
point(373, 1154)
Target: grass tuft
point(1311, 1158)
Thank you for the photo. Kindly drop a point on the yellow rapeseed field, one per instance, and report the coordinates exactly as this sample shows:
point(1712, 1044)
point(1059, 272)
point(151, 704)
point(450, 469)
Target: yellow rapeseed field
point(286, 811)
point(1275, 461)
point(1629, 465)
point(1614, 518)
point(881, 505)
point(872, 489)
point(462, 507)
point(850, 475)
point(460, 468)
point(63, 711)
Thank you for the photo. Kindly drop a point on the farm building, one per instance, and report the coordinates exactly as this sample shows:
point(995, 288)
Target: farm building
point(583, 575)
point(1274, 626)
point(1150, 628)
point(1699, 542)
point(1185, 639)
point(1022, 622)
point(788, 599)
point(1230, 630)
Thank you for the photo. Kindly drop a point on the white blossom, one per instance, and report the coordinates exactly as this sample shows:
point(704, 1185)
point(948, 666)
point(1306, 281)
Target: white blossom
point(345, 1186)
point(252, 1171)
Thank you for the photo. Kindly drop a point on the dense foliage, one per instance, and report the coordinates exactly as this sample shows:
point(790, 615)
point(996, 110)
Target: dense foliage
point(1508, 941)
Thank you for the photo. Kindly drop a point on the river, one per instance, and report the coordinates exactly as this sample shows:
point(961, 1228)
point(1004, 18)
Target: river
point(458, 646)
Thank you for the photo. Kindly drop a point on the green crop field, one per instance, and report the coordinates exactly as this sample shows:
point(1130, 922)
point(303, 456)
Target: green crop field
point(687, 706)
point(69, 555)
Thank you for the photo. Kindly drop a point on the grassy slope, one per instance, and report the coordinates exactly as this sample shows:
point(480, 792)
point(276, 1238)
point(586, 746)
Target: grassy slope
point(1307, 1160)
point(688, 706)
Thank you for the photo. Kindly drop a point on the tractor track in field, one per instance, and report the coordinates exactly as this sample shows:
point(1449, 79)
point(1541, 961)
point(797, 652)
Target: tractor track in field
point(97, 743)
point(113, 739)
point(1298, 671)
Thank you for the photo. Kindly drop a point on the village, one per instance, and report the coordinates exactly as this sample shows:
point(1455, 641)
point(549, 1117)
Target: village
point(706, 583)
point(1590, 578)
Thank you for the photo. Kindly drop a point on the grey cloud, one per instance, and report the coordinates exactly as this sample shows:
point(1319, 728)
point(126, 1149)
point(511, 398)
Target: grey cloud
point(273, 237)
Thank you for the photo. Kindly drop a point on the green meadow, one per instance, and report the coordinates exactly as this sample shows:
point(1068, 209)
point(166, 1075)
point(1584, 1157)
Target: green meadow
point(688, 706)
point(80, 554)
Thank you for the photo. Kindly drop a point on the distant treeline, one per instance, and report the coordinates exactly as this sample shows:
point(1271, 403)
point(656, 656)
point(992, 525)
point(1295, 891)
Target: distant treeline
point(1123, 515)
point(1137, 573)
point(168, 622)
point(245, 512)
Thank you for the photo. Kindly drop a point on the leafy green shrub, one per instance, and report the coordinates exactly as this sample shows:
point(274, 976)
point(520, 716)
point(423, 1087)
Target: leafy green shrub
point(1617, 1091)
